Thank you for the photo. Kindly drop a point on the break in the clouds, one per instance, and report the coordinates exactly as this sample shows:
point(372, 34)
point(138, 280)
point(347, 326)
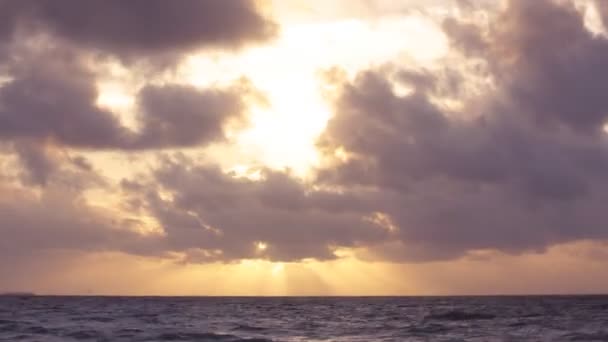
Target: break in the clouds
point(499, 145)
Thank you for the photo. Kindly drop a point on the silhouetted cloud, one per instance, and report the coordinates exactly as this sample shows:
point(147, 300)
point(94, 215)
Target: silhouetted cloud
point(139, 28)
point(176, 115)
point(56, 100)
point(556, 83)
point(519, 166)
point(521, 170)
point(59, 219)
point(49, 60)
point(212, 215)
point(37, 161)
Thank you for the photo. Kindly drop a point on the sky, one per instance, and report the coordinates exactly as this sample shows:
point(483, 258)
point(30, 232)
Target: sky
point(303, 147)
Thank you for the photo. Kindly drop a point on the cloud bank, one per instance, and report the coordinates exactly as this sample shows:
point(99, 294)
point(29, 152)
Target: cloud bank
point(518, 165)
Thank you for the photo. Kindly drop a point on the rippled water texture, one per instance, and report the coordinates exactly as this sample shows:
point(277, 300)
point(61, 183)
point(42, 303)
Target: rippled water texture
point(304, 319)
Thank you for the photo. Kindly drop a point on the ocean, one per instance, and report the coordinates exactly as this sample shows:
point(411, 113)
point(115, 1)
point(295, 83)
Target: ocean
point(232, 319)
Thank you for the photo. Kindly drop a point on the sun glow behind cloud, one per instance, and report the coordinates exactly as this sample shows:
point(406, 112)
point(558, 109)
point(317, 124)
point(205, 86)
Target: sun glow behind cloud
point(283, 133)
point(346, 276)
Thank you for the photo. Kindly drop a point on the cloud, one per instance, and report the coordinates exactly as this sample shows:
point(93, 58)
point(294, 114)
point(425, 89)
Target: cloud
point(602, 8)
point(59, 219)
point(520, 170)
point(557, 84)
point(56, 100)
point(45, 165)
point(46, 207)
point(520, 166)
point(38, 162)
point(50, 65)
point(211, 215)
point(177, 115)
point(139, 28)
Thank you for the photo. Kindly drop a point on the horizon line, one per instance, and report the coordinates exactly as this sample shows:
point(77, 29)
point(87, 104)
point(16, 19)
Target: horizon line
point(33, 294)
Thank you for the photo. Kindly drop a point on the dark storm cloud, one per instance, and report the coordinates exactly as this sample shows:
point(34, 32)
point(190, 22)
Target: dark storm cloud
point(521, 170)
point(56, 100)
point(215, 216)
point(139, 28)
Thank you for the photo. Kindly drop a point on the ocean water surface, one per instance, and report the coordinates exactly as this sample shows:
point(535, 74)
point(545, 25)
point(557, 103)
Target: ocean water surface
point(232, 319)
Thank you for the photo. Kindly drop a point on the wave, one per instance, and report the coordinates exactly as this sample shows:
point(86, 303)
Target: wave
point(246, 327)
point(598, 336)
point(456, 315)
point(189, 336)
point(427, 329)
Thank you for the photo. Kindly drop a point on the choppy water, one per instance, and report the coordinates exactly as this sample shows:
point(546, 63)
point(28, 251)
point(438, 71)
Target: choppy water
point(304, 319)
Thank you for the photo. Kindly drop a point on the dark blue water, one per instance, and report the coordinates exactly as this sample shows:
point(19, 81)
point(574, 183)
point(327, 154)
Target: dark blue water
point(533, 318)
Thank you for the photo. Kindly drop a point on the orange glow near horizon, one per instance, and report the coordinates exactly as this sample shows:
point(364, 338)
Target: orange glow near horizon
point(346, 276)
